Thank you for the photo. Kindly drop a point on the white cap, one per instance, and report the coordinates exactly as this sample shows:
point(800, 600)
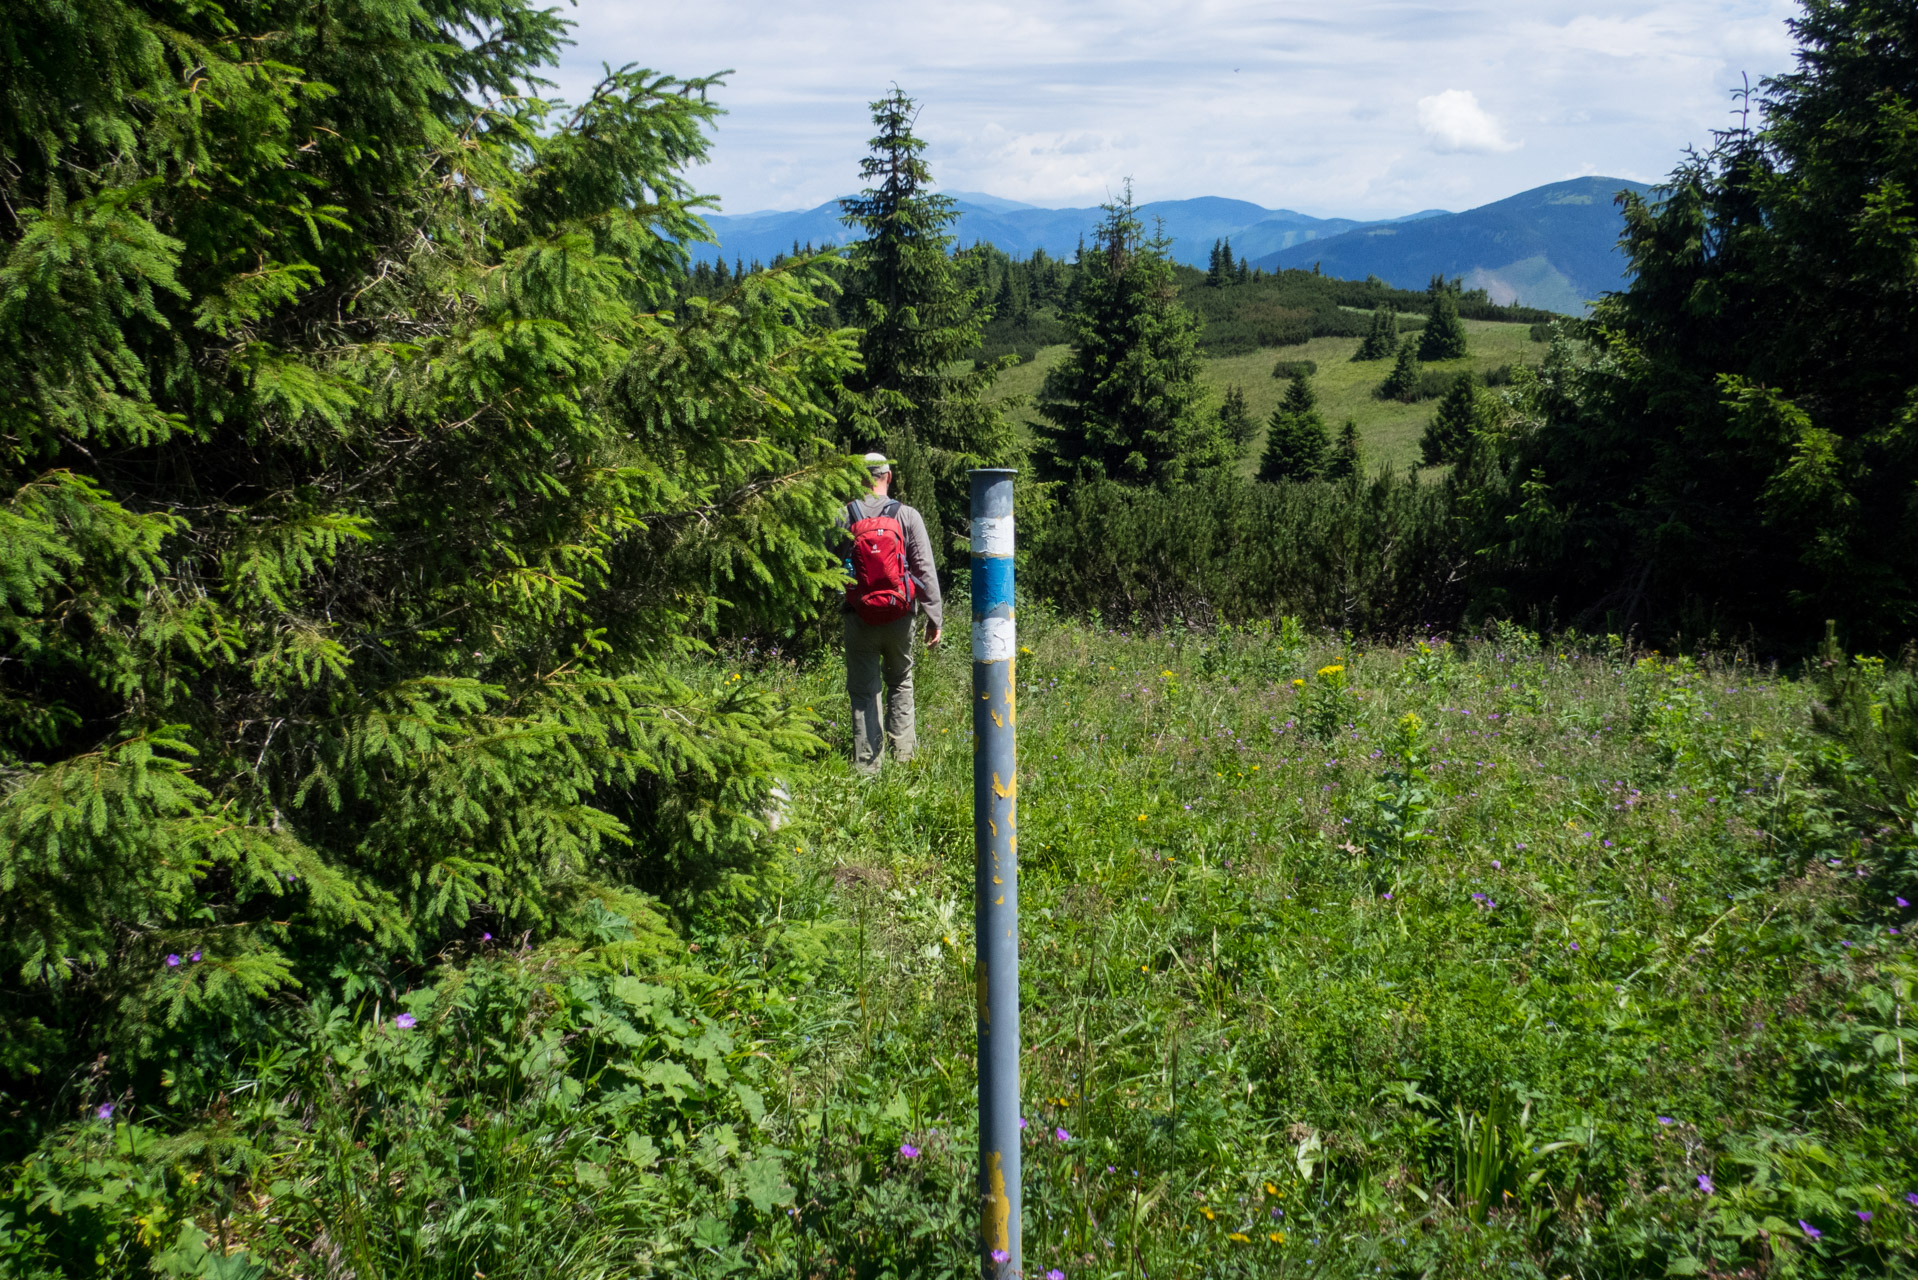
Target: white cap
point(878, 463)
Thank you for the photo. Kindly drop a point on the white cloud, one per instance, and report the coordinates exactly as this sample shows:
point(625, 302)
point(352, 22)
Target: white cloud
point(1454, 121)
point(1325, 109)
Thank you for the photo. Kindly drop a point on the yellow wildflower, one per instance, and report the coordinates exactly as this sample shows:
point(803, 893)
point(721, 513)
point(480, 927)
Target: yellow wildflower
point(1142, 817)
point(1165, 675)
point(1332, 670)
point(1298, 684)
point(1271, 1190)
point(1276, 1237)
point(1206, 1210)
point(1240, 1236)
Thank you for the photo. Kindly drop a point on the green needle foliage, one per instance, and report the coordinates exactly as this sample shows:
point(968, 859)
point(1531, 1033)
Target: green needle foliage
point(355, 491)
point(1382, 339)
point(1235, 420)
point(1347, 459)
point(1402, 383)
point(1126, 403)
point(1443, 337)
point(1461, 415)
point(1295, 438)
point(1742, 451)
point(918, 398)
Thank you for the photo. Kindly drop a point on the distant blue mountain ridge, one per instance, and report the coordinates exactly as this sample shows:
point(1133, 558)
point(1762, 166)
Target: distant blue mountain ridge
point(1554, 246)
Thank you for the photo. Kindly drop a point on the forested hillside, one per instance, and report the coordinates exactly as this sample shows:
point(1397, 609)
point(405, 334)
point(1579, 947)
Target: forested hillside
point(1553, 246)
point(427, 843)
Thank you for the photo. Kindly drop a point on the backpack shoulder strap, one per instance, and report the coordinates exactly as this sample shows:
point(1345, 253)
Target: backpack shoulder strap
point(853, 514)
point(891, 511)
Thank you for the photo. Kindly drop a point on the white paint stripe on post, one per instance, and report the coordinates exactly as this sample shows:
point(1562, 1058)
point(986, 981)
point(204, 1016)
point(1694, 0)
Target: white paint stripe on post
point(992, 640)
point(992, 536)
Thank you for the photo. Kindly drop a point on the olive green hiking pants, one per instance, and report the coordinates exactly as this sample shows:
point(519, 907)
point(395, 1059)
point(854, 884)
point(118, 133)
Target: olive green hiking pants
point(880, 658)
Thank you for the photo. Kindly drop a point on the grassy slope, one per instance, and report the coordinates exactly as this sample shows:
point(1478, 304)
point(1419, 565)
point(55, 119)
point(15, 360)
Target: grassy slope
point(1252, 1019)
point(1389, 429)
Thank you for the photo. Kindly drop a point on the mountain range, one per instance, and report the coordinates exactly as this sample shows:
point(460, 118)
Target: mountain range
point(1553, 246)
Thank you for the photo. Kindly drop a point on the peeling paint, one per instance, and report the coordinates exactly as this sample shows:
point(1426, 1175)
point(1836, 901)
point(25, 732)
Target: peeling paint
point(998, 1218)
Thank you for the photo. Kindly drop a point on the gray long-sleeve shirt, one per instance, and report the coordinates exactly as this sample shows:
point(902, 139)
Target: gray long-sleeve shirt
point(918, 554)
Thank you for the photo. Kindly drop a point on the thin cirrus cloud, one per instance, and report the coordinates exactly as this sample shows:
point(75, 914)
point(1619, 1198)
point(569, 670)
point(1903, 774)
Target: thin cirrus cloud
point(1365, 109)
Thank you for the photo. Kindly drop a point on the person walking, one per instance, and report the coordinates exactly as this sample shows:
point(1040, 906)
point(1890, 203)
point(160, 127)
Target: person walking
point(889, 555)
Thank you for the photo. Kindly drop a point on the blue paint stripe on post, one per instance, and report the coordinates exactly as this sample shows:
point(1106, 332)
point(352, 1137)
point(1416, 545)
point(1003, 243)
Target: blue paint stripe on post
point(995, 795)
point(991, 584)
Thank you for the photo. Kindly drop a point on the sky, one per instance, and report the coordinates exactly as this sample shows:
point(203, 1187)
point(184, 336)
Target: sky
point(1353, 108)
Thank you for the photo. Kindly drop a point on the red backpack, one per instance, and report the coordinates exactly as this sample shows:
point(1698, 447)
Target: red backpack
point(883, 589)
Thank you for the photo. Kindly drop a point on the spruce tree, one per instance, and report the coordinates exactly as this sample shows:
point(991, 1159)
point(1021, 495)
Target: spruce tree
point(1215, 268)
point(918, 399)
point(1348, 456)
point(1744, 444)
point(1448, 436)
point(1443, 337)
point(1126, 403)
point(1403, 382)
point(1382, 339)
point(366, 482)
point(1235, 420)
point(1295, 440)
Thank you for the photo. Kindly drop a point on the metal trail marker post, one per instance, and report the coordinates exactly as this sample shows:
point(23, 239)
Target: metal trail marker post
point(995, 798)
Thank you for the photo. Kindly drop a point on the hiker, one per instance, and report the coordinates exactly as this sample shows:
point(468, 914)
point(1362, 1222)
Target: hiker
point(889, 555)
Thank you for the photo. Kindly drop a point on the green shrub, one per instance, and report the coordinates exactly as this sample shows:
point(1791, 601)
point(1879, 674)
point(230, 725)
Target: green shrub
point(1286, 368)
point(1375, 558)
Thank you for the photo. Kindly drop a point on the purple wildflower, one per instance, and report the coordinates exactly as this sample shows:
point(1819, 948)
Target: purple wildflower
point(1022, 1122)
point(1001, 1257)
point(1811, 1232)
point(173, 962)
point(1388, 897)
point(405, 1021)
point(1062, 1135)
point(1864, 1215)
point(195, 957)
point(907, 1150)
point(104, 1111)
point(1666, 1120)
point(1055, 1274)
point(1901, 902)
point(1574, 946)
point(1705, 1185)
point(486, 937)
point(1496, 866)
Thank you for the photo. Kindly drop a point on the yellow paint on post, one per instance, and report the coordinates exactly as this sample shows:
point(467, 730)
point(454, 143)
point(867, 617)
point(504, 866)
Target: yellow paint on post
point(1006, 790)
point(998, 1223)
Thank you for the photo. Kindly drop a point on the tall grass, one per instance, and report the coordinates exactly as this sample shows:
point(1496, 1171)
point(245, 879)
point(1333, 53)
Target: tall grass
point(1491, 956)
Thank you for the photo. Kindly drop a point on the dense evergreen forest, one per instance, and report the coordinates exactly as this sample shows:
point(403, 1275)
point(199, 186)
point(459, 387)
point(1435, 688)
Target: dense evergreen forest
point(1241, 308)
point(425, 842)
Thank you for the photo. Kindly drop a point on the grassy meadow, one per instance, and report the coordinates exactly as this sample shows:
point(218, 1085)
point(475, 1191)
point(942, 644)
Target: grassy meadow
point(1440, 960)
point(1389, 429)
point(1424, 960)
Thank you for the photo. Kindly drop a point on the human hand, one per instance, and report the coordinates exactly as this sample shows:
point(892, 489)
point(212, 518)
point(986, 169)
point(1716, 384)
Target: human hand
point(933, 633)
